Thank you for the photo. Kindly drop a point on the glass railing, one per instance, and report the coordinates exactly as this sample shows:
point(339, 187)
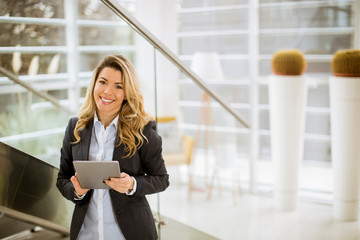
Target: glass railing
point(203, 134)
point(189, 120)
point(205, 138)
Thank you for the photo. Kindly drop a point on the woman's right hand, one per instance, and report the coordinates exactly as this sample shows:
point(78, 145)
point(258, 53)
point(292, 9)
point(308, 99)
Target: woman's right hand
point(78, 189)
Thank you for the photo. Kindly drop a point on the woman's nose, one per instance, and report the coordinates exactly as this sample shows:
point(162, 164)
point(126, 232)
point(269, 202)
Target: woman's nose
point(107, 90)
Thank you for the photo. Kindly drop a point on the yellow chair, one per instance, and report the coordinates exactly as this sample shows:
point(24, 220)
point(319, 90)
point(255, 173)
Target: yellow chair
point(182, 157)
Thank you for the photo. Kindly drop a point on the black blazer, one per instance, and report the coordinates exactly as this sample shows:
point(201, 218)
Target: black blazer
point(133, 213)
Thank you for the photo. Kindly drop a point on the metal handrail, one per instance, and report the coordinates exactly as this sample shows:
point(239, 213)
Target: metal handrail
point(34, 220)
point(45, 96)
point(138, 27)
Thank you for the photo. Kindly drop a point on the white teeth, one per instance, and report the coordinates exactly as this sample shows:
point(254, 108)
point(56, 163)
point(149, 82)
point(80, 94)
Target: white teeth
point(105, 100)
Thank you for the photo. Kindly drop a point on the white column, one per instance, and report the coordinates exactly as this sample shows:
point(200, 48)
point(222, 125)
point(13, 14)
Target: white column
point(345, 142)
point(287, 102)
point(159, 16)
point(72, 57)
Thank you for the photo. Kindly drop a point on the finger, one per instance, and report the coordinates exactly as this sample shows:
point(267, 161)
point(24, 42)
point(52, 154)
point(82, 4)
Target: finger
point(115, 179)
point(73, 179)
point(117, 184)
point(107, 182)
point(75, 182)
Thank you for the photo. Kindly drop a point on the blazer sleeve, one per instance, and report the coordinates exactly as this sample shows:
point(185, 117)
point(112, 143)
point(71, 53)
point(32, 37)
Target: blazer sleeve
point(66, 170)
point(156, 178)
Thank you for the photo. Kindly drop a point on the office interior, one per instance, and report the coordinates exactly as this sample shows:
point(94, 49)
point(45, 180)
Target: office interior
point(205, 67)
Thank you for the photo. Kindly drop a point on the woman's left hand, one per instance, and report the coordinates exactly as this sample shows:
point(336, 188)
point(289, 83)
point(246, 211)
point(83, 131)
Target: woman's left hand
point(123, 184)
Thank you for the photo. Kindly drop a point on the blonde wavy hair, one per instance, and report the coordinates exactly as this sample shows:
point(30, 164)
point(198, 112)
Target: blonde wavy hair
point(132, 116)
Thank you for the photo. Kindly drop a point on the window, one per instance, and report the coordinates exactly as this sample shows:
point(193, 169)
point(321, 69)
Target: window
point(38, 42)
point(317, 28)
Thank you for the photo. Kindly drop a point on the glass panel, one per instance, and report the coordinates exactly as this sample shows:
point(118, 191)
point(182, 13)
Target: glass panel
point(14, 34)
point(316, 147)
point(144, 62)
point(89, 61)
point(104, 35)
point(306, 17)
point(314, 99)
point(308, 44)
point(221, 143)
point(32, 8)
point(96, 10)
point(236, 69)
point(317, 151)
point(26, 123)
point(26, 120)
point(232, 44)
point(233, 69)
point(26, 65)
point(205, 3)
point(285, 1)
point(207, 21)
point(317, 124)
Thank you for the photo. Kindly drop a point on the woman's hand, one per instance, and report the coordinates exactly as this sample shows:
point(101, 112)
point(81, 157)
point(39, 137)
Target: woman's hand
point(123, 184)
point(78, 189)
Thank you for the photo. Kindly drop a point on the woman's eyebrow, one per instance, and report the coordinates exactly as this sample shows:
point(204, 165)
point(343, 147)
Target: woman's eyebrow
point(108, 80)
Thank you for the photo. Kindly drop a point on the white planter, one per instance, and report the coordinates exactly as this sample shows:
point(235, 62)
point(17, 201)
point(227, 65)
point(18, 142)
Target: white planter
point(345, 146)
point(287, 101)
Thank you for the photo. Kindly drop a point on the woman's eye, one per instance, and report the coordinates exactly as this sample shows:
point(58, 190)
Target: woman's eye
point(119, 87)
point(102, 82)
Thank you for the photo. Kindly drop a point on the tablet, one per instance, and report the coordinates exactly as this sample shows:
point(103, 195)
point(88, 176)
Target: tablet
point(91, 174)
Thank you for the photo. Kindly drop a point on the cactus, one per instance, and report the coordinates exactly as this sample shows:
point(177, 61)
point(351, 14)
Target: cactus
point(288, 62)
point(346, 63)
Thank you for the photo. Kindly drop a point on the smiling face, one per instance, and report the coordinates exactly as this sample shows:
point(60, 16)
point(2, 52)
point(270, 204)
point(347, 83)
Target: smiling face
point(108, 94)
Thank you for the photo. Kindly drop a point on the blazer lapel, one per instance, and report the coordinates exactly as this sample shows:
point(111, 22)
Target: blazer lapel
point(87, 139)
point(82, 148)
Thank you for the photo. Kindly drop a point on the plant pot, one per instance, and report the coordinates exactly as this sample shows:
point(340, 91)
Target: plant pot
point(345, 146)
point(287, 101)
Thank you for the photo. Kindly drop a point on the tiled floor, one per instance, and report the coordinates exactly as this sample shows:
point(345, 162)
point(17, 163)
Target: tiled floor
point(253, 217)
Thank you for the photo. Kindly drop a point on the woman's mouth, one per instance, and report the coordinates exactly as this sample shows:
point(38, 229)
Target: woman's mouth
point(106, 100)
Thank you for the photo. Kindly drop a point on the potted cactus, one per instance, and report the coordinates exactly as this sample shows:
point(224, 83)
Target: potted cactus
point(345, 133)
point(287, 101)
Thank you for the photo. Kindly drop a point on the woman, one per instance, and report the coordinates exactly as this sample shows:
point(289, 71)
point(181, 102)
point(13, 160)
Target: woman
point(113, 126)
